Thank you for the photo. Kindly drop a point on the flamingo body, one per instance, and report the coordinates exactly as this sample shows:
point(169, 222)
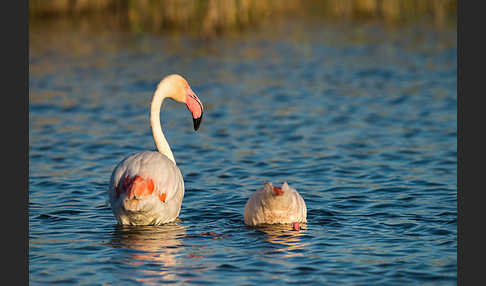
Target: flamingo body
point(272, 205)
point(146, 188)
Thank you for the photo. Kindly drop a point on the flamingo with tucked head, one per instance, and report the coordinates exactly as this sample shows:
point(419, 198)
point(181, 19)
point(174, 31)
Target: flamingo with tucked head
point(147, 188)
point(272, 205)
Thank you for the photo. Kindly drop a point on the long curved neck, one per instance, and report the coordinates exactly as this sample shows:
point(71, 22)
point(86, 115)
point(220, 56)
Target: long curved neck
point(159, 137)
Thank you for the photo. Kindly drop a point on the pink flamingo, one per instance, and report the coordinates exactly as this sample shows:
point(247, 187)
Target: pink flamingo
point(272, 205)
point(147, 188)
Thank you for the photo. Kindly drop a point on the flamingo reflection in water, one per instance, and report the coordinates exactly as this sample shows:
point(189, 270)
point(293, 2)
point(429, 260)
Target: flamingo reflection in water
point(287, 240)
point(160, 247)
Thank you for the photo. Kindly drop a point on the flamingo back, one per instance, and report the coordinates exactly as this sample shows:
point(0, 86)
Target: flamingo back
point(160, 189)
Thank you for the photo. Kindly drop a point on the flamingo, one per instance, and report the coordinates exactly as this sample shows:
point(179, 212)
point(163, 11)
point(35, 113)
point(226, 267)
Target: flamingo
point(147, 188)
point(272, 205)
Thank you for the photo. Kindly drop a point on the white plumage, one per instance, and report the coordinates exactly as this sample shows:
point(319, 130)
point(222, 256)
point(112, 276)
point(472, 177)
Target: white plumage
point(271, 205)
point(148, 210)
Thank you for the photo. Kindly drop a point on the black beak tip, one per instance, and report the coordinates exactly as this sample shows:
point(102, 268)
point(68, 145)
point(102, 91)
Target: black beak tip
point(197, 122)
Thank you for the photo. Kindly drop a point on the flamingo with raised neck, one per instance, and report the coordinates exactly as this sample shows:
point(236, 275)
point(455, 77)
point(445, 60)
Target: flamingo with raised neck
point(147, 188)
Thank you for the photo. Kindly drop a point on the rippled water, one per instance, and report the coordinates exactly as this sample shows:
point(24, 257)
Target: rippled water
point(361, 120)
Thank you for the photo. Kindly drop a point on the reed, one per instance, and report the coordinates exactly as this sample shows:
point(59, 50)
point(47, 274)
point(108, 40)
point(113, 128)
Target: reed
point(217, 16)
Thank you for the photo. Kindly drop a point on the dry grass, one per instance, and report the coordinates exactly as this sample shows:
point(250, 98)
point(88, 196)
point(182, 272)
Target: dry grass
point(208, 17)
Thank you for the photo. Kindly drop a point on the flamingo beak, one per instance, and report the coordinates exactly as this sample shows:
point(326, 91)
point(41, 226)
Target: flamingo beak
point(197, 121)
point(195, 106)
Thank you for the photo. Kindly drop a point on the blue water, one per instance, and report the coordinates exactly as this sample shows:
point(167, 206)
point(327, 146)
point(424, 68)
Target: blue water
point(360, 119)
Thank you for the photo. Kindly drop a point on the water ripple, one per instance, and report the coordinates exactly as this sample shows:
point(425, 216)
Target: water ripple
point(365, 130)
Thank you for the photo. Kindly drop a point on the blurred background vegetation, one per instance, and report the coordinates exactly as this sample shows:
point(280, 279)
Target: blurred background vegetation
point(215, 17)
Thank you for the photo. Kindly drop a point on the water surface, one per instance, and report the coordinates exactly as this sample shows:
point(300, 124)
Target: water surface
point(360, 119)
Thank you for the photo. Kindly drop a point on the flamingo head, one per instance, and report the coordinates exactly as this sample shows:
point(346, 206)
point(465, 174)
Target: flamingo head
point(177, 88)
